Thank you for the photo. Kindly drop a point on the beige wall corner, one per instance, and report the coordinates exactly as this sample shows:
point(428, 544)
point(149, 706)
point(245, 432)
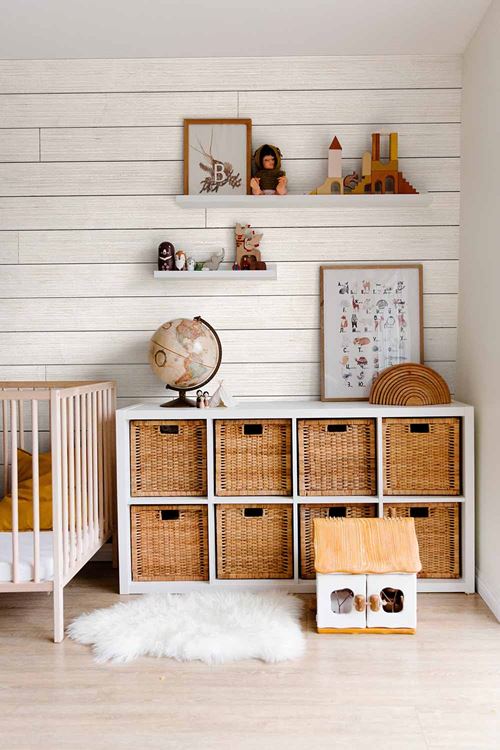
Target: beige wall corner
point(479, 296)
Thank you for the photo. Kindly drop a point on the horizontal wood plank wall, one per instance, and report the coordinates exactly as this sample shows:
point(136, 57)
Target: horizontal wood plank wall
point(91, 159)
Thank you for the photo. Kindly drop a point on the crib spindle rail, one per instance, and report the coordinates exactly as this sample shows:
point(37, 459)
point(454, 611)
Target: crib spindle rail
point(75, 421)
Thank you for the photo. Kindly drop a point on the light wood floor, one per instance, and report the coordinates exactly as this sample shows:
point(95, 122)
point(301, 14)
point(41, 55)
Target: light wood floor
point(438, 689)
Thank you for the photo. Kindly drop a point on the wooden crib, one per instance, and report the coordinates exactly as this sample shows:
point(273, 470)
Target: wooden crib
point(75, 421)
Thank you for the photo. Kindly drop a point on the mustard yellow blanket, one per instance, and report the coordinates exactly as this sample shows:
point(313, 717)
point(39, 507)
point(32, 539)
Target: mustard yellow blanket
point(25, 494)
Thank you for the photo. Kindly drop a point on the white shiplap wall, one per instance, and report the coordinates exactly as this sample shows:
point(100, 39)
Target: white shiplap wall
point(91, 159)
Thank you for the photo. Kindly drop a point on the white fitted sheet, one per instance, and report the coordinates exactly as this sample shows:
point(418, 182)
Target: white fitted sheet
point(26, 556)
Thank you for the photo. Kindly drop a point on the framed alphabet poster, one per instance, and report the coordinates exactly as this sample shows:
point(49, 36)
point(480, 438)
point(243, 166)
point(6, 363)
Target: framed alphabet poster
point(217, 156)
point(371, 319)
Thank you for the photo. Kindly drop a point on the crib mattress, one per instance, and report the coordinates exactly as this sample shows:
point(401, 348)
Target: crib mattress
point(26, 567)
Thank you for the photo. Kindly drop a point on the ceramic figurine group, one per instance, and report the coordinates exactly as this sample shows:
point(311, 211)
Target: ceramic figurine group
point(248, 255)
point(202, 399)
point(220, 398)
point(170, 260)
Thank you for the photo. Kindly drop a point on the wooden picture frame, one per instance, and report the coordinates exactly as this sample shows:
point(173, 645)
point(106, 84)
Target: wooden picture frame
point(371, 318)
point(217, 148)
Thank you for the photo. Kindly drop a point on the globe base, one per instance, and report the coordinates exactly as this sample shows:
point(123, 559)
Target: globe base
point(179, 402)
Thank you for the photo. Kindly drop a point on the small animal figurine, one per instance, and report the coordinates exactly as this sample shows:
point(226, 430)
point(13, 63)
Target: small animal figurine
point(350, 182)
point(200, 399)
point(268, 177)
point(206, 399)
point(166, 260)
point(213, 263)
point(190, 264)
point(198, 266)
point(180, 260)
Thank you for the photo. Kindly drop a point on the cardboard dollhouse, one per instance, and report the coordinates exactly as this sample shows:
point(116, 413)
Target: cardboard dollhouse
point(366, 575)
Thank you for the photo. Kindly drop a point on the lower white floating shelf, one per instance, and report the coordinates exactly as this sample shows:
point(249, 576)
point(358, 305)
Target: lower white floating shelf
point(270, 273)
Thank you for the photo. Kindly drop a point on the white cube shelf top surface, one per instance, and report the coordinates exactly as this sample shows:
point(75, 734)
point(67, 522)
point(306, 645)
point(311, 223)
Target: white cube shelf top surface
point(311, 409)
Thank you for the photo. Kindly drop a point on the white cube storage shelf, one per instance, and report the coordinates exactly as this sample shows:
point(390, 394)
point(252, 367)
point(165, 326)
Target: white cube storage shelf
point(460, 524)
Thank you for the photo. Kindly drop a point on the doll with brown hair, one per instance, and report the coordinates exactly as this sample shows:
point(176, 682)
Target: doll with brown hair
point(268, 177)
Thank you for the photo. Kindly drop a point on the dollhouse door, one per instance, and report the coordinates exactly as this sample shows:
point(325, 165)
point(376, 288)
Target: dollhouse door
point(341, 600)
point(391, 601)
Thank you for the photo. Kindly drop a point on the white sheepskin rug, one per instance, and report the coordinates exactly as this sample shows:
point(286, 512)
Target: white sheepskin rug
point(212, 626)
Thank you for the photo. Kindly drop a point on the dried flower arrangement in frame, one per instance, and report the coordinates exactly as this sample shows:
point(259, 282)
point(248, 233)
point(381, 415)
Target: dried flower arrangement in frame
point(217, 156)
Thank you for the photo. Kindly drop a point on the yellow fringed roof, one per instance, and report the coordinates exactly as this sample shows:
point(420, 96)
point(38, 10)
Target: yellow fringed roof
point(366, 545)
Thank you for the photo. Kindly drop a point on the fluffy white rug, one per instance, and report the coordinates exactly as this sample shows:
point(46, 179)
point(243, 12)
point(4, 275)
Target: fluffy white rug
point(212, 626)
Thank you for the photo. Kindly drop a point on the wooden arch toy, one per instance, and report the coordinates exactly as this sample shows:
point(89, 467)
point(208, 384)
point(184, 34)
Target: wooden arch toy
point(409, 385)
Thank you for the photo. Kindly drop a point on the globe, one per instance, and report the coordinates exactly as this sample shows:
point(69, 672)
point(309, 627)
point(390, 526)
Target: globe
point(185, 354)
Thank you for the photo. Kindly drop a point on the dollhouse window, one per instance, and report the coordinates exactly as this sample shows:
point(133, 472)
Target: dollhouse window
point(335, 187)
point(342, 601)
point(378, 186)
point(368, 188)
point(392, 600)
point(389, 184)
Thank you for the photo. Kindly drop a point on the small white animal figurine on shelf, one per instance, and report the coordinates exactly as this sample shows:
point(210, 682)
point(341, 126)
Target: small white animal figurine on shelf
point(190, 264)
point(213, 263)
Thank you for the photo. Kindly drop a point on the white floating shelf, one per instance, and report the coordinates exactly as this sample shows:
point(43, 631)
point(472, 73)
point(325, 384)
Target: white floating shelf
point(304, 201)
point(270, 273)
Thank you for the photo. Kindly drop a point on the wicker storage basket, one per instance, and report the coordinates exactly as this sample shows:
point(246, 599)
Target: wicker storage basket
point(253, 457)
point(169, 542)
point(308, 512)
point(254, 541)
point(337, 457)
point(168, 458)
point(438, 533)
point(422, 456)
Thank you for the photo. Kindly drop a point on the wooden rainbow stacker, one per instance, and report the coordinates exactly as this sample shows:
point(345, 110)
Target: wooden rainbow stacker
point(366, 575)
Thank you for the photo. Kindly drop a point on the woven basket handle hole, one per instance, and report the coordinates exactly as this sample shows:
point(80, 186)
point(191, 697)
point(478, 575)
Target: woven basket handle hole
point(253, 512)
point(253, 429)
point(420, 428)
point(169, 515)
point(336, 428)
point(340, 511)
point(419, 512)
point(169, 429)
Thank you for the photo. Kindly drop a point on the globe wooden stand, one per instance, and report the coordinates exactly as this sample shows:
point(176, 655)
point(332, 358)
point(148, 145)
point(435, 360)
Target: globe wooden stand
point(179, 402)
